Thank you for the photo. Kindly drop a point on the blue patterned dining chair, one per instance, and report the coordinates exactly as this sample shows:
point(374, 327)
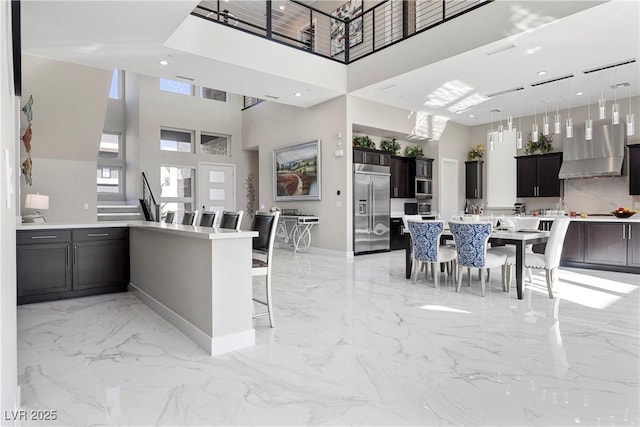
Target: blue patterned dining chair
point(425, 241)
point(471, 245)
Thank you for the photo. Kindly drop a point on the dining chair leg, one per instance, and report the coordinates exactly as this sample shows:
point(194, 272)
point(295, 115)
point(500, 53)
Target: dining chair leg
point(448, 267)
point(482, 282)
point(435, 267)
point(549, 273)
point(468, 276)
point(458, 277)
point(414, 271)
point(488, 274)
point(272, 321)
point(504, 277)
point(529, 275)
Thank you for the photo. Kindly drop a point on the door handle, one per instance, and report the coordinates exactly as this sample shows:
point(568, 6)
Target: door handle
point(45, 237)
point(75, 254)
point(97, 234)
point(629, 231)
point(66, 256)
point(624, 232)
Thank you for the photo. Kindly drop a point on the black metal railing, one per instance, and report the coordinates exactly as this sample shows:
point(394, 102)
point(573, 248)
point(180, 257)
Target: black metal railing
point(150, 208)
point(342, 35)
point(250, 101)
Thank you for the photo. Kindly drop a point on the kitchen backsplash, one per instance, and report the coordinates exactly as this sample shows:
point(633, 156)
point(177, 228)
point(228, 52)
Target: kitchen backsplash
point(591, 195)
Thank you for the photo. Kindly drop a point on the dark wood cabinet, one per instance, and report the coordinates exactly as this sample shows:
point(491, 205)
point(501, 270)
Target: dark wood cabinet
point(573, 247)
point(397, 237)
point(401, 184)
point(613, 246)
point(423, 167)
point(537, 176)
point(371, 157)
point(634, 169)
point(473, 179)
point(633, 248)
point(71, 263)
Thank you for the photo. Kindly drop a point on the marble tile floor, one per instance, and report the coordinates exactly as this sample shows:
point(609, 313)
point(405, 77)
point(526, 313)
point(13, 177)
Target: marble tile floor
point(355, 344)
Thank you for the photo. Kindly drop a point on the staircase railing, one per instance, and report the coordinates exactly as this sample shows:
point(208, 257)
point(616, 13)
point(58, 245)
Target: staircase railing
point(150, 208)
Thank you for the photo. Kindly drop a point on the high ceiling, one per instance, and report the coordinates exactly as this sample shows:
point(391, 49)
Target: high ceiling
point(131, 35)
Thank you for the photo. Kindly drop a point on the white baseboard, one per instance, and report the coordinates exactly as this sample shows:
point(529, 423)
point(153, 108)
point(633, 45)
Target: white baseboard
point(212, 345)
point(330, 252)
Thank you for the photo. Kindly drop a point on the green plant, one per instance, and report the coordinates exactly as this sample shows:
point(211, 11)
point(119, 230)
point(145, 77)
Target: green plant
point(413, 151)
point(476, 152)
point(392, 146)
point(543, 144)
point(363, 141)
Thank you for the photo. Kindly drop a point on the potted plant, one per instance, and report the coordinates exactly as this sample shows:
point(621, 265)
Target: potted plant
point(363, 141)
point(413, 151)
point(543, 145)
point(392, 146)
point(476, 152)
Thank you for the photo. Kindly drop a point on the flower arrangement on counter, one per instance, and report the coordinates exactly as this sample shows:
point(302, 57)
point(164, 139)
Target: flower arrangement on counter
point(476, 152)
point(624, 212)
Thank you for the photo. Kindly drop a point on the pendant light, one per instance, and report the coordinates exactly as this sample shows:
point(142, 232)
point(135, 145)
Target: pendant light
point(545, 119)
point(557, 119)
point(500, 129)
point(519, 132)
point(630, 117)
point(534, 128)
point(615, 107)
point(509, 116)
point(588, 125)
point(569, 122)
point(491, 141)
point(602, 102)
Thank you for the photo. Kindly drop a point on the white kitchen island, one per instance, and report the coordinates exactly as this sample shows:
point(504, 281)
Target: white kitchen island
point(196, 278)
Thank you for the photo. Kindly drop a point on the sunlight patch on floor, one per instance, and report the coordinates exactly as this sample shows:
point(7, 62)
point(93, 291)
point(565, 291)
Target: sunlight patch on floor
point(443, 308)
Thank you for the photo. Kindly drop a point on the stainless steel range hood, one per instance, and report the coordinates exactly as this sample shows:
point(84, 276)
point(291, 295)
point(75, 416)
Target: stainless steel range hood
point(602, 156)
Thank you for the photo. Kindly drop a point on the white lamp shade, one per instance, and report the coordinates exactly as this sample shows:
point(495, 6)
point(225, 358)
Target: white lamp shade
point(36, 201)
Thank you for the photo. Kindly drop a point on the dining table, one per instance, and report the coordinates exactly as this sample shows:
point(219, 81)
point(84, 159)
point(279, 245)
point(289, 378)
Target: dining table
point(518, 238)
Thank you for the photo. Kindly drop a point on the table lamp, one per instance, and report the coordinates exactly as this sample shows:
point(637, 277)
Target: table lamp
point(37, 202)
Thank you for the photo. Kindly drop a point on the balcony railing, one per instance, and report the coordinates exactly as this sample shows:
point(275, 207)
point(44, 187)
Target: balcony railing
point(345, 34)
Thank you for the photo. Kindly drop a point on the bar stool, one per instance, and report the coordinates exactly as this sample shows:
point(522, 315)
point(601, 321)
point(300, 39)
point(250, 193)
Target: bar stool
point(265, 223)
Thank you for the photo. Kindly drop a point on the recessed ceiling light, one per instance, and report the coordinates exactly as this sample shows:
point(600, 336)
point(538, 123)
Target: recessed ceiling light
point(542, 73)
point(163, 62)
point(471, 115)
point(281, 7)
point(297, 94)
point(579, 93)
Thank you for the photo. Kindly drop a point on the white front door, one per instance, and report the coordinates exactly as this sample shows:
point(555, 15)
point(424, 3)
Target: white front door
point(216, 187)
point(448, 189)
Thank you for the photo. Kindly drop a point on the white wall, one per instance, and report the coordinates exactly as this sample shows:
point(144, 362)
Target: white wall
point(69, 107)
point(269, 126)
point(150, 109)
point(8, 142)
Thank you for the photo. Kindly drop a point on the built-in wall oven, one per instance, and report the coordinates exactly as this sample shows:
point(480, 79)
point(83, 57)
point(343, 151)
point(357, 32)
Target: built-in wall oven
point(424, 188)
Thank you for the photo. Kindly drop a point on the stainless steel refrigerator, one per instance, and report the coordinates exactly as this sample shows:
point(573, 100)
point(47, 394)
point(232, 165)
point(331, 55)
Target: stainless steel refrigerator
point(371, 208)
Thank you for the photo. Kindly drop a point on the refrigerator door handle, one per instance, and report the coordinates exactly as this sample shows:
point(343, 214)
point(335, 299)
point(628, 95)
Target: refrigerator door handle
point(371, 205)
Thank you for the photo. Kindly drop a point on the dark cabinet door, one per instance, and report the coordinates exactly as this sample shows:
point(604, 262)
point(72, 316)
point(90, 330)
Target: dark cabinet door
point(547, 172)
point(527, 170)
point(43, 268)
point(400, 187)
point(473, 180)
point(371, 157)
point(358, 156)
point(605, 243)
point(634, 169)
point(397, 238)
point(100, 263)
point(633, 245)
point(424, 168)
point(573, 248)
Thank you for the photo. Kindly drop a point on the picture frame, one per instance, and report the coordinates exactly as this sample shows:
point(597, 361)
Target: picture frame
point(337, 32)
point(297, 172)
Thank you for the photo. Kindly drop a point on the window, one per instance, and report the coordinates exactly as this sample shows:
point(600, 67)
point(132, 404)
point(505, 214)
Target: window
point(176, 140)
point(115, 90)
point(214, 144)
point(110, 165)
point(215, 94)
point(176, 86)
point(176, 190)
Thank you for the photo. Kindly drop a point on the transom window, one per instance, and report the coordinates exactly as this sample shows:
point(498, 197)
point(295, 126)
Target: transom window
point(211, 143)
point(176, 86)
point(115, 90)
point(215, 94)
point(176, 190)
point(111, 165)
point(176, 140)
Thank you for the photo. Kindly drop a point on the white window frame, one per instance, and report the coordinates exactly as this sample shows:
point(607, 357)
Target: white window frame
point(191, 87)
point(201, 90)
point(117, 163)
point(191, 199)
point(207, 133)
point(189, 131)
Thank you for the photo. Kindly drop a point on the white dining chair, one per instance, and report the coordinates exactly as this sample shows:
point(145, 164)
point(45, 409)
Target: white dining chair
point(550, 260)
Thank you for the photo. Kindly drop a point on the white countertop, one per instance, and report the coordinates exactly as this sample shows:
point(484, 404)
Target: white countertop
point(184, 230)
point(635, 218)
